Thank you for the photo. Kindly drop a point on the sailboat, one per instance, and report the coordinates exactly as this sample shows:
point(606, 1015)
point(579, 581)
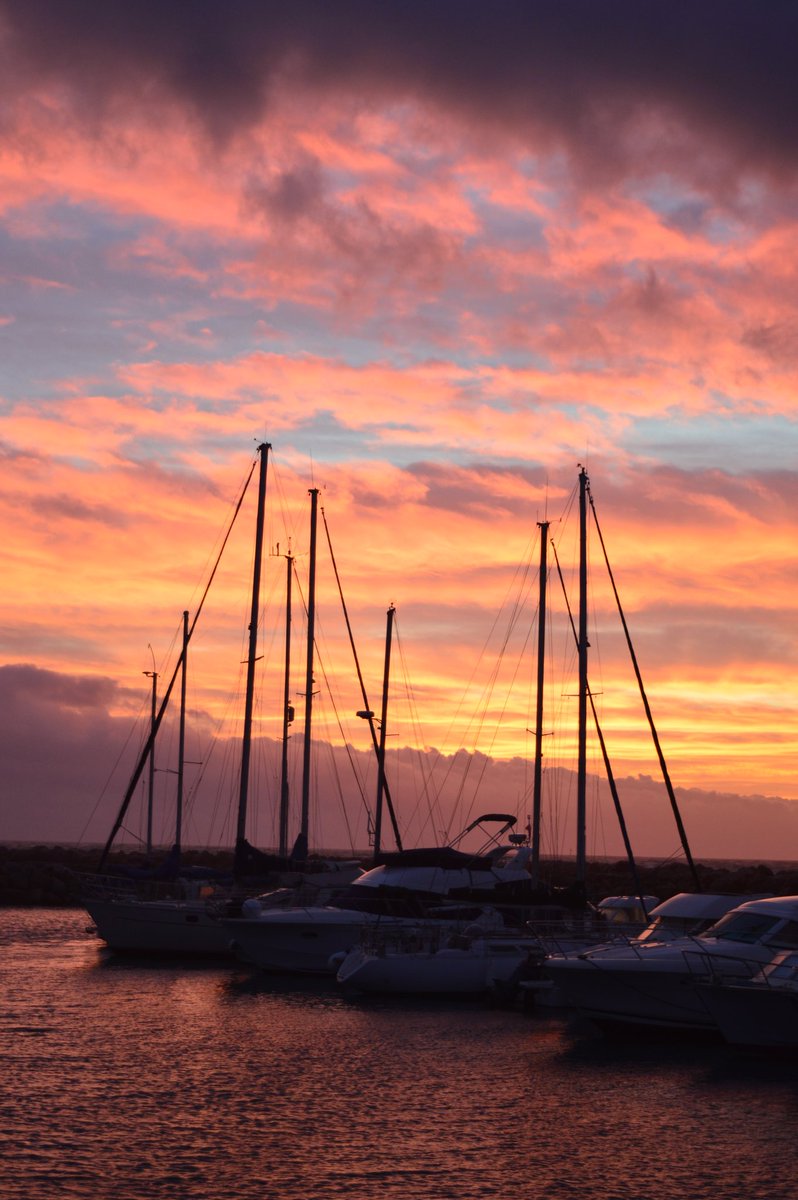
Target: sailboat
point(401, 889)
point(439, 884)
point(188, 919)
point(478, 957)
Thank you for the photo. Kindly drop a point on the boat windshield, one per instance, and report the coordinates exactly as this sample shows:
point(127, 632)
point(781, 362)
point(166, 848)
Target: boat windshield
point(745, 927)
point(785, 938)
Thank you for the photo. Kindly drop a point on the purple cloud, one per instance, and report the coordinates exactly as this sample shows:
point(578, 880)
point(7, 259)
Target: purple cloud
point(596, 79)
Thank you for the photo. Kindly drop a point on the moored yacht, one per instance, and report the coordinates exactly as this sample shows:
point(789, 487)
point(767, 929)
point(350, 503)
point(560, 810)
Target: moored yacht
point(428, 884)
point(651, 983)
point(761, 1011)
point(425, 959)
point(184, 917)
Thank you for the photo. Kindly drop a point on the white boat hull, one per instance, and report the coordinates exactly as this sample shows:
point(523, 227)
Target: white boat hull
point(753, 1014)
point(297, 941)
point(630, 996)
point(449, 970)
point(159, 927)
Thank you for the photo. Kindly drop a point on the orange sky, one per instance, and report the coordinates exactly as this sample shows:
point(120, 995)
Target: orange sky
point(435, 291)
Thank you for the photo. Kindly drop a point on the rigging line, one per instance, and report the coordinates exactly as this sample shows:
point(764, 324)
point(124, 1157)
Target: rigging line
point(476, 723)
point(665, 774)
point(112, 772)
point(426, 771)
point(366, 705)
point(497, 723)
point(346, 742)
point(482, 654)
point(344, 813)
point(240, 491)
point(341, 730)
point(607, 765)
point(291, 514)
point(432, 793)
point(492, 683)
point(165, 701)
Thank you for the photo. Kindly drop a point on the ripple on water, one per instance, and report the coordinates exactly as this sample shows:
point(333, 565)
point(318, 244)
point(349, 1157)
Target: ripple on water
point(200, 1083)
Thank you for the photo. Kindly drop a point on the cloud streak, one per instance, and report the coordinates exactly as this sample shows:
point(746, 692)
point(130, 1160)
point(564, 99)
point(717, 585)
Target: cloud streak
point(615, 85)
point(438, 255)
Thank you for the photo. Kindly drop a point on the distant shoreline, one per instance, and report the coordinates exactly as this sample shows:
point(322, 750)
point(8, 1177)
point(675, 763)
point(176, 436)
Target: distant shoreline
point(51, 875)
point(90, 849)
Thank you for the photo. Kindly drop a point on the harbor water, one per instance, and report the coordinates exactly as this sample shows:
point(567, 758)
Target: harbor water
point(126, 1078)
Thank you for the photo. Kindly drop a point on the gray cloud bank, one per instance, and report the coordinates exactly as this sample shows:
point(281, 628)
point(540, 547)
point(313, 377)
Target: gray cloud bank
point(586, 76)
point(60, 747)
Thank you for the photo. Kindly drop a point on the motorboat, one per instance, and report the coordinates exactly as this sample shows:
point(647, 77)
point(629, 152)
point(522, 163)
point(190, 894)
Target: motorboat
point(484, 955)
point(687, 914)
point(761, 1011)
point(423, 959)
point(429, 884)
point(653, 983)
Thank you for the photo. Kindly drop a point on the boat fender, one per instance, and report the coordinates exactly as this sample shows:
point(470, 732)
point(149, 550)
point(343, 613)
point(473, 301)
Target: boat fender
point(335, 960)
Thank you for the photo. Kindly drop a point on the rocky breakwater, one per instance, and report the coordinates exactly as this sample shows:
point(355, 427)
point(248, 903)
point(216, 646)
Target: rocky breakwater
point(53, 876)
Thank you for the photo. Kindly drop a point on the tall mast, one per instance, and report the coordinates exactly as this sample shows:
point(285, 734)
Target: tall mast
point(153, 675)
point(303, 832)
point(581, 774)
point(288, 712)
point(543, 526)
point(263, 451)
point(383, 723)
point(181, 741)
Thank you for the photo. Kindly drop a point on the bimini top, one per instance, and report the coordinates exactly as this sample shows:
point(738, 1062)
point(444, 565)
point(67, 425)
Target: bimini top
point(435, 856)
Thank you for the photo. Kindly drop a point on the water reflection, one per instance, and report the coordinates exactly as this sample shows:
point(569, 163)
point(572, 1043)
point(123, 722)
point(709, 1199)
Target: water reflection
point(200, 1081)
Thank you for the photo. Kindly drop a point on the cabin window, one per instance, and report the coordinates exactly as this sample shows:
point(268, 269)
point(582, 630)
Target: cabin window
point(745, 927)
point(785, 938)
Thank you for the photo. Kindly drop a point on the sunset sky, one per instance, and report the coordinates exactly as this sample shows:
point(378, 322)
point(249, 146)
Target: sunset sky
point(438, 255)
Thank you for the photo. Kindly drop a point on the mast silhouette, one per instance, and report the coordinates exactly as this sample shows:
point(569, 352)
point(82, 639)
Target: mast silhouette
point(288, 711)
point(581, 775)
point(301, 848)
point(181, 743)
point(153, 675)
point(383, 724)
point(246, 744)
point(543, 526)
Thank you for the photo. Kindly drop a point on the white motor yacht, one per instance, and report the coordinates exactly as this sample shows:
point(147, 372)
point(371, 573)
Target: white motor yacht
point(405, 887)
point(653, 983)
point(761, 1011)
point(430, 959)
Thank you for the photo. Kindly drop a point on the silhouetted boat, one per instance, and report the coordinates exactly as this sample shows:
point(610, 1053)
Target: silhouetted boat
point(654, 983)
point(169, 909)
point(435, 883)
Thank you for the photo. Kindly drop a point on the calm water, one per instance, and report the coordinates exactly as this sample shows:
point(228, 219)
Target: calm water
point(123, 1080)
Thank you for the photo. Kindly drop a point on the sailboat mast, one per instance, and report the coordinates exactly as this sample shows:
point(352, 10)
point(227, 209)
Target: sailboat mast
point(305, 821)
point(287, 710)
point(543, 526)
point(581, 770)
point(263, 451)
point(383, 723)
point(181, 741)
point(153, 675)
